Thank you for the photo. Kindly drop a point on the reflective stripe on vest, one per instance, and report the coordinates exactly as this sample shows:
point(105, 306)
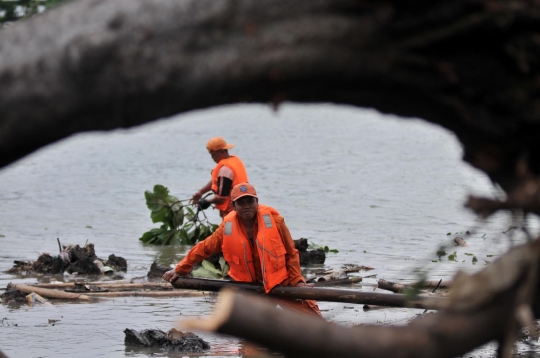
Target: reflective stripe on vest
point(239, 176)
point(237, 249)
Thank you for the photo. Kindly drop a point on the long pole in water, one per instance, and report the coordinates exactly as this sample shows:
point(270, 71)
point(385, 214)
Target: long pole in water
point(317, 293)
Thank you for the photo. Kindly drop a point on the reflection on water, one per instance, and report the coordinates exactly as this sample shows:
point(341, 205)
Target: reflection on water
point(384, 192)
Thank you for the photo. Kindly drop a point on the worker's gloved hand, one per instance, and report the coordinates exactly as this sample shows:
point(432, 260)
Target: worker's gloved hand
point(203, 204)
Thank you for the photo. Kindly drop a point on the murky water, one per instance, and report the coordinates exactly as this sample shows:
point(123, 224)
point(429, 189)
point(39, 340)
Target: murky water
point(384, 192)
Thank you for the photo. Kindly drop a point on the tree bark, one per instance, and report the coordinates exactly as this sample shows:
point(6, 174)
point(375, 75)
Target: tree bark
point(296, 335)
point(468, 65)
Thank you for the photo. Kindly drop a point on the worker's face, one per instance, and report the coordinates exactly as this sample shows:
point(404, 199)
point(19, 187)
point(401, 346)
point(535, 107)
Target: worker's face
point(246, 207)
point(217, 155)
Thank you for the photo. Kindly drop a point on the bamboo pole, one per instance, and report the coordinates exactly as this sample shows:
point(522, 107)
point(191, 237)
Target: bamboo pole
point(45, 292)
point(317, 293)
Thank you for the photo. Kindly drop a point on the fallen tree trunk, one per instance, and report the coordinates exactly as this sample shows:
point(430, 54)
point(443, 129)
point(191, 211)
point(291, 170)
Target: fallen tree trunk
point(297, 335)
point(45, 292)
point(490, 305)
point(315, 293)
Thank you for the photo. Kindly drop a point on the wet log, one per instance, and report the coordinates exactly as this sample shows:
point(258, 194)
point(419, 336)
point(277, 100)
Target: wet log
point(108, 285)
point(174, 293)
point(315, 293)
point(45, 292)
point(445, 334)
point(391, 286)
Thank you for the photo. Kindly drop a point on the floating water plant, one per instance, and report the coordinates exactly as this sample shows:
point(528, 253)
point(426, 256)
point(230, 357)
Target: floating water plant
point(181, 223)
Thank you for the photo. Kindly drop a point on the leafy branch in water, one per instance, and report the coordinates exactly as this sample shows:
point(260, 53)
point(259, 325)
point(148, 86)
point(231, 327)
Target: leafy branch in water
point(181, 224)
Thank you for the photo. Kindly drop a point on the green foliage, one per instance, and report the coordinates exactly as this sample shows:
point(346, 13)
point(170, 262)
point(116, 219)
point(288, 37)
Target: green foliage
point(208, 270)
point(14, 10)
point(180, 223)
point(314, 246)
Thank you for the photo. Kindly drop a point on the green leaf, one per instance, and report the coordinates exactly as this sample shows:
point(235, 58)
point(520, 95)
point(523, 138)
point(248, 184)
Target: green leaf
point(184, 237)
point(190, 214)
point(201, 272)
point(178, 218)
point(452, 257)
point(196, 234)
point(468, 254)
point(157, 199)
point(169, 199)
point(151, 234)
point(441, 252)
point(225, 270)
point(222, 261)
point(210, 267)
point(334, 250)
point(474, 259)
point(160, 215)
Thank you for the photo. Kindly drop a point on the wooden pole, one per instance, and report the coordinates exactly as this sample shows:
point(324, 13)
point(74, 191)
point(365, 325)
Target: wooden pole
point(174, 293)
point(316, 293)
point(129, 286)
point(45, 292)
point(344, 281)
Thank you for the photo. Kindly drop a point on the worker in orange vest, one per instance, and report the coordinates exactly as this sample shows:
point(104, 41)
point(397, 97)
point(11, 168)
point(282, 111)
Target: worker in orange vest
point(256, 244)
point(228, 172)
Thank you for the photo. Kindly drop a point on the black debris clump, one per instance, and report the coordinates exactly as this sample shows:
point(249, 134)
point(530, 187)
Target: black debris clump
point(72, 259)
point(172, 340)
point(308, 257)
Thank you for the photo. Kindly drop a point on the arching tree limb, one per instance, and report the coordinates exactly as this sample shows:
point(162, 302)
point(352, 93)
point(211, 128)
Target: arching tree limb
point(469, 65)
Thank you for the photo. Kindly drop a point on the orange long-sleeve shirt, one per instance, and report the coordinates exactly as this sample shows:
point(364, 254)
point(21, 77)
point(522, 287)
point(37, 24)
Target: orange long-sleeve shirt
point(213, 245)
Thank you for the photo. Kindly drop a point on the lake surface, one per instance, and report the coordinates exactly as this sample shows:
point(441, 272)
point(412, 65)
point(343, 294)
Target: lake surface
point(385, 192)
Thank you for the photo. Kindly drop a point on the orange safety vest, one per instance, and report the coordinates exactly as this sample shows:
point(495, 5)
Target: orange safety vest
point(236, 249)
point(240, 176)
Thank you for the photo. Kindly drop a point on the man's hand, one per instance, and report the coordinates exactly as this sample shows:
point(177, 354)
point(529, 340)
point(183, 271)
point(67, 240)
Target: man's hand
point(203, 204)
point(170, 276)
point(196, 197)
point(300, 284)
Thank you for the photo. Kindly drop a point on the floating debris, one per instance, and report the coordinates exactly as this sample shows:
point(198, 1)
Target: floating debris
point(173, 340)
point(308, 257)
point(71, 260)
